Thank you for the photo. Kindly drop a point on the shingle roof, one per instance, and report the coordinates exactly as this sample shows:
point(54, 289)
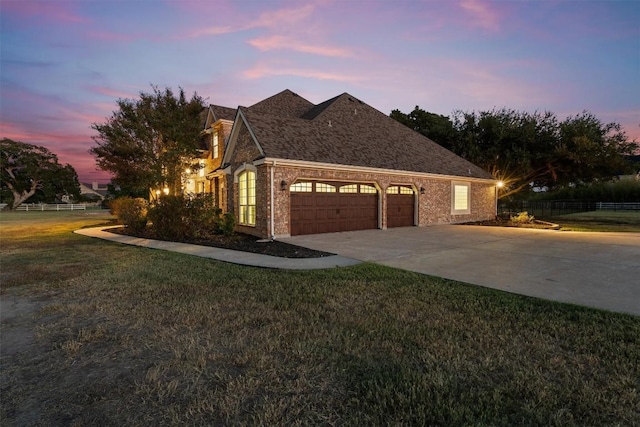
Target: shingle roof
point(285, 103)
point(222, 113)
point(346, 131)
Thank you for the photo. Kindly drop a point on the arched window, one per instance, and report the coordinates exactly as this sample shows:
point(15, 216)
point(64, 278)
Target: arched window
point(247, 198)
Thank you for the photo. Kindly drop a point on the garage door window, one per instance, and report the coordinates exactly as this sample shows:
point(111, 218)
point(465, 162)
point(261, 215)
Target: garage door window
point(321, 187)
point(351, 188)
point(396, 189)
point(247, 198)
point(368, 189)
point(301, 187)
point(460, 198)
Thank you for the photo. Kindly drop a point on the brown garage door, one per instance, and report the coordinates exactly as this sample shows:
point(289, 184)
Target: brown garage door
point(400, 206)
point(328, 207)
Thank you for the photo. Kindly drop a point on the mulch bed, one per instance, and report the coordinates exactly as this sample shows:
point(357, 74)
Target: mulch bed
point(238, 242)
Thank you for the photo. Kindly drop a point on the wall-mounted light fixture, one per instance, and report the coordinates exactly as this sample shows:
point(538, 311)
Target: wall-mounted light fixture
point(422, 190)
point(283, 185)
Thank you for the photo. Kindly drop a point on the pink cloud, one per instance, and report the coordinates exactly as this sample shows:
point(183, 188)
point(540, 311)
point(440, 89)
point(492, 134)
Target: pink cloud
point(113, 37)
point(51, 11)
point(284, 17)
point(107, 91)
point(288, 43)
point(482, 14)
point(261, 71)
point(279, 19)
point(208, 31)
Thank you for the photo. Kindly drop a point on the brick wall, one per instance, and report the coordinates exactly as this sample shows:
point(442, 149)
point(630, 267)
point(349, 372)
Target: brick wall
point(434, 206)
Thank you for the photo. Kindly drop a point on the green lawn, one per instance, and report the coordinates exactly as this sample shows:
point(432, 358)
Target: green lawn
point(619, 221)
point(132, 336)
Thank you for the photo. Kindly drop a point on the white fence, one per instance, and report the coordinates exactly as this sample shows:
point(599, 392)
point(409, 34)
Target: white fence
point(44, 207)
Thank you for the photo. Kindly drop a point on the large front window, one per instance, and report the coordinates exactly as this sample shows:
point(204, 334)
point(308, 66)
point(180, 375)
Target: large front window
point(247, 198)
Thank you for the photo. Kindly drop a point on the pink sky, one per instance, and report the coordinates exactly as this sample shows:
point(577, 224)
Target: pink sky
point(63, 64)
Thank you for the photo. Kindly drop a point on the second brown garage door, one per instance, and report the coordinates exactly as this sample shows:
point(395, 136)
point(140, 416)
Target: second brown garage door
point(400, 206)
point(328, 207)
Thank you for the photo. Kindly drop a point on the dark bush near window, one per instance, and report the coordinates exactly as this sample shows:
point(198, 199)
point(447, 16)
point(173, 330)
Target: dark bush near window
point(189, 217)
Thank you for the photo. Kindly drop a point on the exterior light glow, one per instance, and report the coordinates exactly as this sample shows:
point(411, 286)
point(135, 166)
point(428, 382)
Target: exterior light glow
point(166, 191)
point(500, 184)
point(187, 171)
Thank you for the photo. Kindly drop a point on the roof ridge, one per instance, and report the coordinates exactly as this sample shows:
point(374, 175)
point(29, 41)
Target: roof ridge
point(320, 108)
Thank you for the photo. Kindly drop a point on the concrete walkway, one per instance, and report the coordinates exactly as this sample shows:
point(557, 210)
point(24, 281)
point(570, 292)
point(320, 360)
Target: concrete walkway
point(599, 270)
point(226, 255)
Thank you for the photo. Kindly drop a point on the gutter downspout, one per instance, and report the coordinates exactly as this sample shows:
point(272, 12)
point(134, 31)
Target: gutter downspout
point(273, 166)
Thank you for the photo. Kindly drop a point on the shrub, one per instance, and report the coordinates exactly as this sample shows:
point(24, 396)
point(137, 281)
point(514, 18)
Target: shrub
point(201, 215)
point(187, 217)
point(166, 217)
point(226, 224)
point(131, 212)
point(522, 218)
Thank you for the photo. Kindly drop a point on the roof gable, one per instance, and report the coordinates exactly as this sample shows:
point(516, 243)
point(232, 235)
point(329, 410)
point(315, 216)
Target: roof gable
point(218, 112)
point(285, 103)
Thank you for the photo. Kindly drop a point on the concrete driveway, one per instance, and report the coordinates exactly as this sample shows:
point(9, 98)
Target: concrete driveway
point(599, 270)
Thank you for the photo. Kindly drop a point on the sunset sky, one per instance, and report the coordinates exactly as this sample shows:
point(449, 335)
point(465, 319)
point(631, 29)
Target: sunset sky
point(64, 63)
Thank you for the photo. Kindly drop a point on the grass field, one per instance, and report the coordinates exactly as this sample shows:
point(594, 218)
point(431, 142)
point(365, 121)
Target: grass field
point(96, 333)
point(603, 220)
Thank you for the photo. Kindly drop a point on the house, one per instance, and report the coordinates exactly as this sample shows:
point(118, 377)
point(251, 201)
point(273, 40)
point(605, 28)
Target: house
point(93, 191)
point(290, 167)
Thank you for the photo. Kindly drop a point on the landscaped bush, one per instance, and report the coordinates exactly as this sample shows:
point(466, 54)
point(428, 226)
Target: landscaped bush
point(166, 217)
point(226, 224)
point(195, 216)
point(131, 212)
point(522, 218)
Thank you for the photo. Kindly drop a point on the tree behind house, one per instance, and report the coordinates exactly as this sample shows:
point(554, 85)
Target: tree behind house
point(147, 143)
point(523, 148)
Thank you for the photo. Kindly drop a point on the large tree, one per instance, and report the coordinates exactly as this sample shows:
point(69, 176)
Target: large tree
point(436, 127)
point(148, 143)
point(523, 148)
point(534, 148)
point(30, 171)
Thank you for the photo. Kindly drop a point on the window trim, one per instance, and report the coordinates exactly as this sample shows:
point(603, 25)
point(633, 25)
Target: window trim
point(467, 209)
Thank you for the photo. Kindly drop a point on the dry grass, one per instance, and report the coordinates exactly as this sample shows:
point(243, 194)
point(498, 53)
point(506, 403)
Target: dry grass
point(143, 337)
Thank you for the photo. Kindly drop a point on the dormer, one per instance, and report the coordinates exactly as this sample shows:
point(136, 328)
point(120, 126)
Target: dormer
point(217, 129)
